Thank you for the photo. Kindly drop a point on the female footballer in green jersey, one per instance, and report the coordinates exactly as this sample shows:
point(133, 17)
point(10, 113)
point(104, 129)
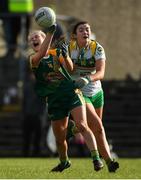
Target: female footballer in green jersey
point(54, 83)
point(89, 59)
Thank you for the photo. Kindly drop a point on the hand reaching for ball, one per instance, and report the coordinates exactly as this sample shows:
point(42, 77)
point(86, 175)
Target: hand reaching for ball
point(51, 29)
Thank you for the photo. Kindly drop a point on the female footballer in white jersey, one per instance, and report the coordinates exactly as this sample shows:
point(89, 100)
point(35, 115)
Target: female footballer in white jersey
point(89, 59)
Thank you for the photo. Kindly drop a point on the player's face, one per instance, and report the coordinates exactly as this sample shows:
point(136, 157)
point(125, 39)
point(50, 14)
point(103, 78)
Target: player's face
point(35, 41)
point(83, 33)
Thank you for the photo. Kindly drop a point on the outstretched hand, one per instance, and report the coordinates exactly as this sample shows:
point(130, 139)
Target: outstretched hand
point(64, 47)
point(51, 29)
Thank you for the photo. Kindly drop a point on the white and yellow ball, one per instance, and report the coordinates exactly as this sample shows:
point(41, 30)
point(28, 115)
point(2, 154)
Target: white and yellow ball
point(45, 17)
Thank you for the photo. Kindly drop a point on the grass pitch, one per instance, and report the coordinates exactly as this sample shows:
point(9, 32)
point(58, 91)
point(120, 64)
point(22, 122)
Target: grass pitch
point(39, 168)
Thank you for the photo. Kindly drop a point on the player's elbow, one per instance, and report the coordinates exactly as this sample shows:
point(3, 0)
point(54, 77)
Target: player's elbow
point(101, 75)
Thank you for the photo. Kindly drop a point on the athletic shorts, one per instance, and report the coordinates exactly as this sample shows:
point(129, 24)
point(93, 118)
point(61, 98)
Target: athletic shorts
point(63, 101)
point(97, 100)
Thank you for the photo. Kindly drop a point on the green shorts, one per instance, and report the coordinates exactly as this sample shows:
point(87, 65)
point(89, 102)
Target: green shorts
point(97, 100)
point(63, 101)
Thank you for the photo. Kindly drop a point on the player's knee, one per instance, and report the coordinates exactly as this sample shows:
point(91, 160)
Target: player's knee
point(60, 141)
point(82, 127)
point(99, 130)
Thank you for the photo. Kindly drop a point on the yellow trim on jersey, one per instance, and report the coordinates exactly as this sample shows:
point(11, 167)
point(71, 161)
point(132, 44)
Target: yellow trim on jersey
point(52, 52)
point(61, 59)
point(72, 45)
point(79, 93)
point(92, 45)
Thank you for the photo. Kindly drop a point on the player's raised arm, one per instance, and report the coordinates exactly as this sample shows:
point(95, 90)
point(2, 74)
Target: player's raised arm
point(39, 41)
point(67, 62)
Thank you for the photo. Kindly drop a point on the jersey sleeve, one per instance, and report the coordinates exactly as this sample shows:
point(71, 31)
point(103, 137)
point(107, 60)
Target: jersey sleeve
point(99, 52)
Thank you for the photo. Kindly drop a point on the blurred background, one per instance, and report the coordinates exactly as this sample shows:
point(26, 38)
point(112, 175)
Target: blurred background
point(116, 26)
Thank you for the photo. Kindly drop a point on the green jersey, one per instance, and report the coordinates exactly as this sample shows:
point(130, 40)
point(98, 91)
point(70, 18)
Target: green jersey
point(49, 74)
point(54, 82)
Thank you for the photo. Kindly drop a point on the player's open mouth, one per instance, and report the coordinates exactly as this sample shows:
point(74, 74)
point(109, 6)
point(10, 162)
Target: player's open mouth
point(35, 44)
point(85, 37)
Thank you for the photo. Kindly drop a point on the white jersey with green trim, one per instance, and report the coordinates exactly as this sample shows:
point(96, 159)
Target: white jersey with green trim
point(86, 65)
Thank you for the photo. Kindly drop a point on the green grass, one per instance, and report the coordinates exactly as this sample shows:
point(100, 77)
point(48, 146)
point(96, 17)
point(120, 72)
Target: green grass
point(39, 168)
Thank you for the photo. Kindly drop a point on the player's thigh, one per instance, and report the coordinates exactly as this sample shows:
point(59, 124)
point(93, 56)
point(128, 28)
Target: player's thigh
point(79, 115)
point(93, 119)
point(99, 112)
